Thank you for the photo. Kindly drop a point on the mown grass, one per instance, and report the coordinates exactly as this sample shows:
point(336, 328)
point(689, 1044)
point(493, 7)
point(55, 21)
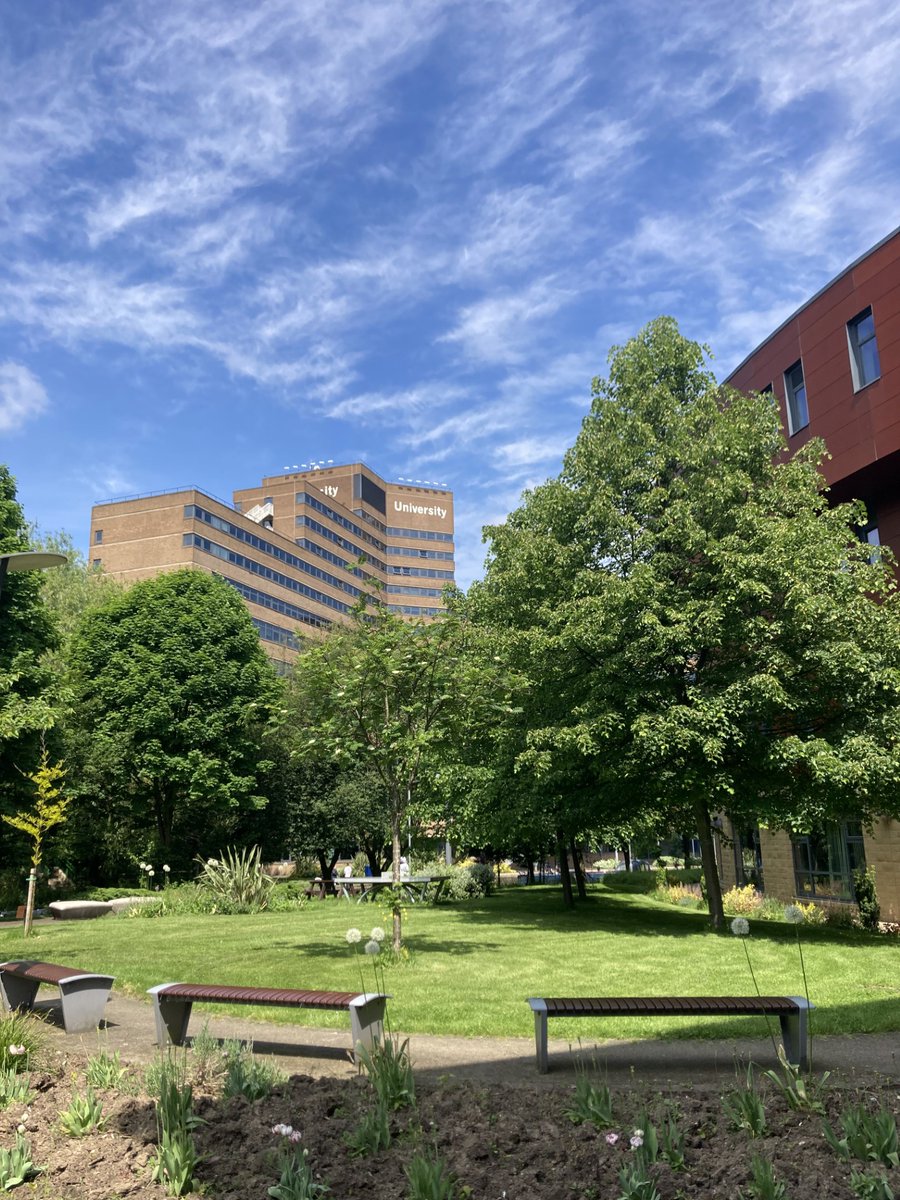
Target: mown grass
point(472, 966)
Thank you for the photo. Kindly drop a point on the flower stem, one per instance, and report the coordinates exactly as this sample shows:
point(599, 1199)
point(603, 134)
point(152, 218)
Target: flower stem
point(809, 1023)
point(759, 993)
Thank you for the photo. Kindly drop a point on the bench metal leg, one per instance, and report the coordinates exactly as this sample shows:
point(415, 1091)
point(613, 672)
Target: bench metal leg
point(540, 1034)
point(367, 1021)
point(83, 1002)
point(17, 993)
point(172, 1017)
point(795, 1034)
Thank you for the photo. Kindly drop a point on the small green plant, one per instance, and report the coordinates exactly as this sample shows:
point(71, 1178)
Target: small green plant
point(744, 1107)
point(372, 1134)
point(591, 1103)
point(296, 1180)
point(802, 1094)
point(389, 1068)
point(84, 1114)
point(176, 1154)
point(867, 898)
point(105, 1070)
point(764, 1185)
point(245, 1075)
point(238, 879)
point(645, 1141)
point(429, 1178)
point(16, 1166)
point(636, 1184)
point(871, 1186)
point(671, 1142)
point(207, 1060)
point(871, 1137)
point(22, 1041)
point(15, 1088)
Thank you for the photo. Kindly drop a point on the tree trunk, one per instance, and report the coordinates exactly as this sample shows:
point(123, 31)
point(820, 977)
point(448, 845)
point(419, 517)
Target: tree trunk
point(29, 902)
point(529, 865)
point(710, 871)
point(579, 872)
point(397, 938)
point(564, 877)
point(626, 854)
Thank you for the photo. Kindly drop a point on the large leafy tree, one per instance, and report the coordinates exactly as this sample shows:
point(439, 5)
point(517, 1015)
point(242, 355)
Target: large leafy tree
point(171, 691)
point(730, 643)
point(26, 635)
point(399, 697)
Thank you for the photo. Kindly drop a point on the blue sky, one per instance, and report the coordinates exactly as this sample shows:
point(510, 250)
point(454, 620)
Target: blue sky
point(239, 236)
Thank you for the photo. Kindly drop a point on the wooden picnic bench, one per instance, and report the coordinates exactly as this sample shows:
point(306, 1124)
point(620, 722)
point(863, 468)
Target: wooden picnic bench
point(792, 1012)
point(172, 1004)
point(83, 995)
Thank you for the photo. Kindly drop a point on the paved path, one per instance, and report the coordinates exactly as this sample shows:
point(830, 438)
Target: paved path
point(303, 1050)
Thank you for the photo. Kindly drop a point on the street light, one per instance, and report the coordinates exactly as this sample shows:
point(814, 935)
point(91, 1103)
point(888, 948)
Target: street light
point(28, 560)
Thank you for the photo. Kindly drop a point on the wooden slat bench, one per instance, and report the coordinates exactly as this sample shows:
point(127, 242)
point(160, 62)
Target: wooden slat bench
point(791, 1012)
point(172, 1003)
point(83, 996)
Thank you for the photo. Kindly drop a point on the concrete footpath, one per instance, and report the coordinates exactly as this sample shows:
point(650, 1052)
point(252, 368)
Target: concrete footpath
point(303, 1050)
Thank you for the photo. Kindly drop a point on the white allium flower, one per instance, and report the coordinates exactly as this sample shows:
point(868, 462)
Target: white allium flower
point(20, 1128)
point(740, 926)
point(637, 1140)
point(377, 934)
point(151, 871)
point(793, 914)
point(16, 1050)
point(373, 947)
point(212, 862)
point(353, 936)
point(166, 868)
point(295, 1136)
point(611, 1139)
point(283, 1130)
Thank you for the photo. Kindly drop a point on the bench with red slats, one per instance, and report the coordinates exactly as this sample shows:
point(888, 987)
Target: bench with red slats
point(83, 995)
point(173, 1002)
point(791, 1011)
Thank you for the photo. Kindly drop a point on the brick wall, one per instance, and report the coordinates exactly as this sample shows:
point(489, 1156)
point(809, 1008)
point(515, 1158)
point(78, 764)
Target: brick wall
point(883, 853)
point(778, 863)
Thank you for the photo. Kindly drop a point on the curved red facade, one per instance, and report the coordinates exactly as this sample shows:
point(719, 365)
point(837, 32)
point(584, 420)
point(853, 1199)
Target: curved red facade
point(846, 342)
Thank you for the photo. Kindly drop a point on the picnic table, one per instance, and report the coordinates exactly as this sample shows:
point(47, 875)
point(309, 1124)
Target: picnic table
point(418, 889)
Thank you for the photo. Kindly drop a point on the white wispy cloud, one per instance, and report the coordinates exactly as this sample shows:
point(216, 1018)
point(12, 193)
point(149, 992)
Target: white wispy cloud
point(22, 396)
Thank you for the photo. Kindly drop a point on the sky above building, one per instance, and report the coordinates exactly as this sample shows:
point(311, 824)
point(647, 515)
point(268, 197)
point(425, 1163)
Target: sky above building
point(240, 236)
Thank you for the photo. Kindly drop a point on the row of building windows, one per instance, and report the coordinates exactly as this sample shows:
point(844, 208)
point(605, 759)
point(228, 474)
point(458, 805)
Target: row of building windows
point(314, 548)
point(274, 633)
point(305, 498)
point(264, 600)
point(197, 513)
point(255, 568)
point(412, 552)
point(824, 861)
point(396, 590)
point(430, 534)
point(413, 610)
point(420, 572)
point(329, 535)
point(370, 520)
point(865, 368)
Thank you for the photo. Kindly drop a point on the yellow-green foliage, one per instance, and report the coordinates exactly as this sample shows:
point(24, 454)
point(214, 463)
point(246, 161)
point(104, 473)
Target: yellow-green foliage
point(49, 810)
point(741, 901)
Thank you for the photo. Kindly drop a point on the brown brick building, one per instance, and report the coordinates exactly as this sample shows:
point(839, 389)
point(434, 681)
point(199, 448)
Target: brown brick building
point(299, 547)
point(834, 368)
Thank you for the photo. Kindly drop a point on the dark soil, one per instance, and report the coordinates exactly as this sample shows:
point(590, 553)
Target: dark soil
point(499, 1141)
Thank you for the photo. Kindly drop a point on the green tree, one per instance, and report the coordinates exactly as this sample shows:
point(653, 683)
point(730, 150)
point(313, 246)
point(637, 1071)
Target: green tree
point(48, 811)
point(739, 651)
point(171, 692)
point(397, 695)
point(26, 635)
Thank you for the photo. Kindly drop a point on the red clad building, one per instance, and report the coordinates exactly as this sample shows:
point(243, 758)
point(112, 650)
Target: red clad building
point(835, 368)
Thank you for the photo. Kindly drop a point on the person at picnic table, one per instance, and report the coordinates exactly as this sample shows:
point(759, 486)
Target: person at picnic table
point(368, 871)
point(348, 871)
point(404, 867)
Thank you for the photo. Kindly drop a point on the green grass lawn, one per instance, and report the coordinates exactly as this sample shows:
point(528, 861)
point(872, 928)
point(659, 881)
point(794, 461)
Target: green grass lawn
point(473, 965)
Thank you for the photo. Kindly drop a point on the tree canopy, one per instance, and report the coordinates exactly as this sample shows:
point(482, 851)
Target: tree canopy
point(171, 692)
point(724, 640)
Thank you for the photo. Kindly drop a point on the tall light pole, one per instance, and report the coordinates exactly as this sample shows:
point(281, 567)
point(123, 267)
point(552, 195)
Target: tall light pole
point(29, 560)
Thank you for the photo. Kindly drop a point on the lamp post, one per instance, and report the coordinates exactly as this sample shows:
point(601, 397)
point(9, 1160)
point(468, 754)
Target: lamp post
point(29, 560)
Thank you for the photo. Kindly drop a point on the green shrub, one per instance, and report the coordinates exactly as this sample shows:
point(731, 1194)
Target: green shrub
point(742, 901)
point(237, 879)
point(112, 893)
point(469, 881)
point(867, 898)
point(643, 882)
